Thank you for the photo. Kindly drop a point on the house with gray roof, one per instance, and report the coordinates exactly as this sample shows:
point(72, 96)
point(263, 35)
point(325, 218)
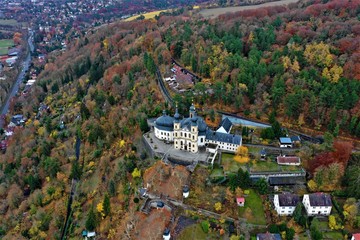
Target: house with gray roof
point(285, 203)
point(317, 204)
point(190, 133)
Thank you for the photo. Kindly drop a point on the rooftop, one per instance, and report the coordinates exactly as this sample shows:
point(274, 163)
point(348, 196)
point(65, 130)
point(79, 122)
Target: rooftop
point(268, 236)
point(226, 124)
point(356, 236)
point(288, 199)
point(223, 137)
point(288, 160)
point(285, 140)
point(320, 199)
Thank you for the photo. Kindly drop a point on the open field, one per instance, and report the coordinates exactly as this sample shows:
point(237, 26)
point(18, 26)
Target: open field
point(253, 211)
point(195, 232)
point(229, 164)
point(4, 44)
point(10, 22)
point(215, 12)
point(146, 15)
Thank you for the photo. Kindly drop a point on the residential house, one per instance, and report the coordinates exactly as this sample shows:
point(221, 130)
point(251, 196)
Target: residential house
point(186, 191)
point(268, 236)
point(317, 204)
point(285, 142)
point(285, 204)
point(166, 234)
point(88, 235)
point(288, 160)
point(240, 201)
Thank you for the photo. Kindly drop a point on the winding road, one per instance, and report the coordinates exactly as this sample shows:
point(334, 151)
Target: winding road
point(24, 68)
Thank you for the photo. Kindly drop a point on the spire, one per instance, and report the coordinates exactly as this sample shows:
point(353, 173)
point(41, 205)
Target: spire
point(177, 115)
point(164, 112)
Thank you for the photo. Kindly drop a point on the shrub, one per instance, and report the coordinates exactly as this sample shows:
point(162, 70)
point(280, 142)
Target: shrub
point(205, 226)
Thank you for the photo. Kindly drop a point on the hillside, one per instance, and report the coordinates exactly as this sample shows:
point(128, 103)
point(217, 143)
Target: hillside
point(300, 62)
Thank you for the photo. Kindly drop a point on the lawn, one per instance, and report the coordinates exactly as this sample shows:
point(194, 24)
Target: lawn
point(195, 232)
point(253, 210)
point(146, 15)
point(229, 164)
point(324, 228)
point(270, 166)
point(4, 44)
point(10, 22)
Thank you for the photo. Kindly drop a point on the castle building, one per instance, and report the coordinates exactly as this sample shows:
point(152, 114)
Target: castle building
point(190, 134)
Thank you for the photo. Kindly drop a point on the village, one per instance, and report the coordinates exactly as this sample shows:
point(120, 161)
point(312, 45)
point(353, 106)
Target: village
point(268, 182)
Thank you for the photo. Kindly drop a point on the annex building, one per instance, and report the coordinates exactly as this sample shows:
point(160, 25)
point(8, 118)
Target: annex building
point(190, 134)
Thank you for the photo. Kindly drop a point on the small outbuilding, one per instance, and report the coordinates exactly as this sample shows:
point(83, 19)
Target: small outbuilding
point(186, 191)
point(166, 234)
point(240, 201)
point(285, 142)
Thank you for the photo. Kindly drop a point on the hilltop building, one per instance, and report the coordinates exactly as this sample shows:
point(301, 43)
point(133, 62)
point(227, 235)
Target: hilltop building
point(190, 134)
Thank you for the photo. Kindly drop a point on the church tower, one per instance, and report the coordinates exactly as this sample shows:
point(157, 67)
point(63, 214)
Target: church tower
point(177, 144)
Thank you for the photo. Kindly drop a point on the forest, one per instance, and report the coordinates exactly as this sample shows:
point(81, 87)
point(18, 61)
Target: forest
point(299, 64)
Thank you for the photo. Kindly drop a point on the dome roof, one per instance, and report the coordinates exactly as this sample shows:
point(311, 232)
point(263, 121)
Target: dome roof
point(192, 107)
point(165, 121)
point(176, 115)
point(201, 125)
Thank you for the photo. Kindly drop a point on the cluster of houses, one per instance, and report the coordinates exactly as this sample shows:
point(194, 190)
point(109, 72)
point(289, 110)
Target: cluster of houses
point(316, 204)
point(181, 79)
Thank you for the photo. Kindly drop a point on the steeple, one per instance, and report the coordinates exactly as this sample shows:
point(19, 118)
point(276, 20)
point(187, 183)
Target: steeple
point(192, 110)
point(176, 115)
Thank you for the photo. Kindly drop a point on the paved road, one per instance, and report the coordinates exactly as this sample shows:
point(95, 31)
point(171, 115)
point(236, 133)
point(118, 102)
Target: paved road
point(24, 68)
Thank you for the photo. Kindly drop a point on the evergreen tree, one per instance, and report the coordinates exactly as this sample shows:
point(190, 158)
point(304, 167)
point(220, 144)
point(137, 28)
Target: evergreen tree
point(262, 186)
point(112, 188)
point(91, 221)
point(106, 205)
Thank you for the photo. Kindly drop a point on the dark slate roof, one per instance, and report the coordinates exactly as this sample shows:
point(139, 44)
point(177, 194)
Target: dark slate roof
point(295, 138)
point(226, 124)
point(289, 200)
point(268, 236)
point(285, 140)
point(166, 232)
point(186, 189)
point(160, 204)
point(198, 121)
point(165, 122)
point(223, 137)
point(320, 199)
point(286, 180)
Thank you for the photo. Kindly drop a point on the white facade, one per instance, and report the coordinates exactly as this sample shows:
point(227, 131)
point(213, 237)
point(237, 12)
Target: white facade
point(164, 135)
point(283, 210)
point(191, 133)
point(315, 210)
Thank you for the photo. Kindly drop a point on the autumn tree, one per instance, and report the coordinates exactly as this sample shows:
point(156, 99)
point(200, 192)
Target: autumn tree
point(319, 54)
point(242, 154)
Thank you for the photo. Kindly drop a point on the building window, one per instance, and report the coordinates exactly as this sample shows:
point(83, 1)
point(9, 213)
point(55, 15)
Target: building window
point(201, 140)
point(193, 137)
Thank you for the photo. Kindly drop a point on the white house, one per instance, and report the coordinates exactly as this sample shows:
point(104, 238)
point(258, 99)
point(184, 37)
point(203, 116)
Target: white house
point(285, 142)
point(317, 204)
point(166, 234)
point(285, 204)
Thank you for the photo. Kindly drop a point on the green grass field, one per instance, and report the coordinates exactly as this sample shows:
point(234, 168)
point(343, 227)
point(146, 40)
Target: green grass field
point(4, 44)
point(10, 22)
point(195, 232)
point(253, 210)
point(229, 164)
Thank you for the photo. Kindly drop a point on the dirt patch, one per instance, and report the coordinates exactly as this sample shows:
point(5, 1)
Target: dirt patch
point(166, 180)
point(153, 225)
